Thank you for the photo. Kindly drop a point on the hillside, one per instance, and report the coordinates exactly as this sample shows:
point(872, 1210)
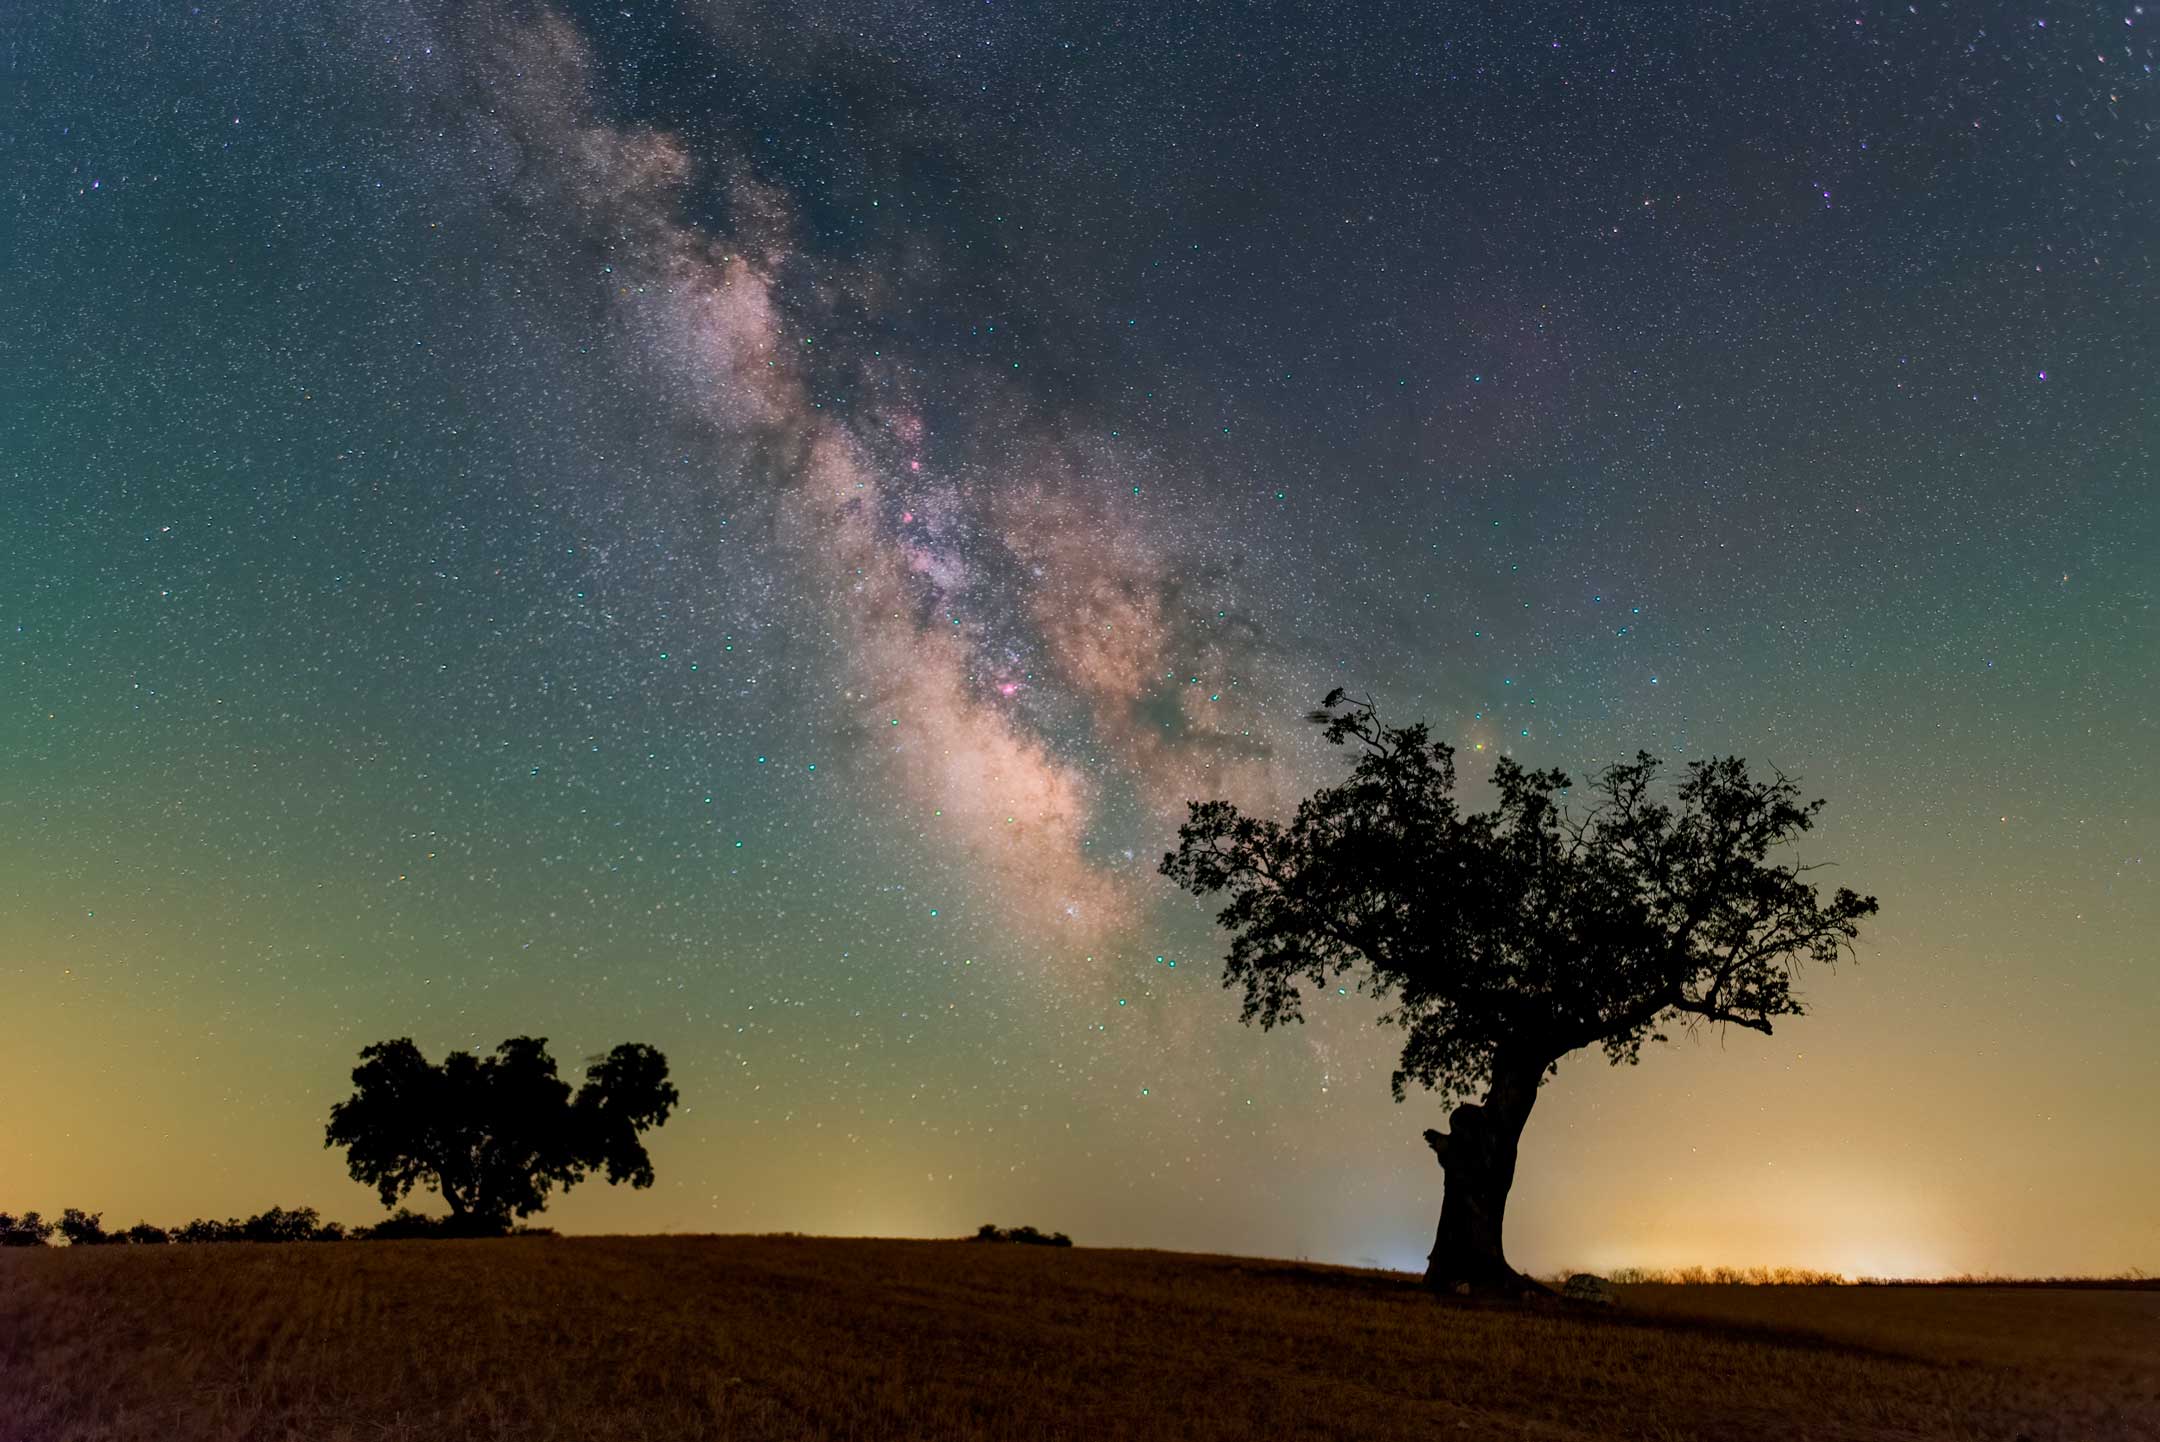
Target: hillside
point(740, 1337)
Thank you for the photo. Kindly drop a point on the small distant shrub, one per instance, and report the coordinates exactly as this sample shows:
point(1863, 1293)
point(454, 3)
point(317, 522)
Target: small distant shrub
point(205, 1230)
point(1027, 1236)
point(27, 1230)
point(142, 1234)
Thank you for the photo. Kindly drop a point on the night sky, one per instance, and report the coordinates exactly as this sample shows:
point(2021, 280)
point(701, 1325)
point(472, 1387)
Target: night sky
point(740, 526)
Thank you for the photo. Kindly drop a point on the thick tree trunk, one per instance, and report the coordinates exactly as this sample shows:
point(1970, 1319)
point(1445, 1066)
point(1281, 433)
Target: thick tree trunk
point(1478, 1157)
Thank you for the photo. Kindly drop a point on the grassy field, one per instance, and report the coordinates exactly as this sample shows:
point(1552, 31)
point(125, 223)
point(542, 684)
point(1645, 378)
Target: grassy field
point(743, 1337)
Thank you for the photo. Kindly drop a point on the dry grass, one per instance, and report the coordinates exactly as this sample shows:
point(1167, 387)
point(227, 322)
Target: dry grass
point(1808, 1277)
point(726, 1337)
point(1728, 1276)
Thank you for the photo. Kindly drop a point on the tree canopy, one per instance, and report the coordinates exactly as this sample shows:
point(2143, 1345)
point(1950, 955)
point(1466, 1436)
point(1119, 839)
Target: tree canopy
point(496, 1135)
point(1501, 941)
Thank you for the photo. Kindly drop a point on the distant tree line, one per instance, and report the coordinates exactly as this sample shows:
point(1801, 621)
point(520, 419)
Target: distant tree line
point(493, 1136)
point(78, 1228)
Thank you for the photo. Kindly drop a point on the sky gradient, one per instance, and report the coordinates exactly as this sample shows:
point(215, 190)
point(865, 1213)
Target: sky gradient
point(740, 527)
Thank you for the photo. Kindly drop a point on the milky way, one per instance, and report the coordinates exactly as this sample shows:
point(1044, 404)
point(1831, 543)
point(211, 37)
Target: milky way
point(957, 602)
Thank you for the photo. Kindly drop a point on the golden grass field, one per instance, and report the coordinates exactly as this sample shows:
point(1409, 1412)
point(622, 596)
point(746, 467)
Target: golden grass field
point(780, 1337)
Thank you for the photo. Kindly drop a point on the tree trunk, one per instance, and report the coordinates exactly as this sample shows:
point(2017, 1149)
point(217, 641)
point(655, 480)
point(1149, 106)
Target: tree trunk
point(1478, 1157)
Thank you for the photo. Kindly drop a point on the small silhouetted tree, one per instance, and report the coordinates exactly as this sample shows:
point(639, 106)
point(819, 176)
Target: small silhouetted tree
point(27, 1230)
point(1505, 940)
point(85, 1229)
point(495, 1135)
point(142, 1234)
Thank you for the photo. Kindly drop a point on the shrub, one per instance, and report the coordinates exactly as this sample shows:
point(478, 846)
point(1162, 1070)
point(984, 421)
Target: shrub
point(1027, 1236)
point(142, 1234)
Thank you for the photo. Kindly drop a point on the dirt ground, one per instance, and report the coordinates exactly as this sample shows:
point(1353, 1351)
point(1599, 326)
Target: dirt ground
point(755, 1338)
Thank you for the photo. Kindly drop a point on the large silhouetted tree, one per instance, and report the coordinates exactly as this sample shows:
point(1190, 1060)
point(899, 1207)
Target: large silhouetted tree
point(495, 1135)
point(1505, 940)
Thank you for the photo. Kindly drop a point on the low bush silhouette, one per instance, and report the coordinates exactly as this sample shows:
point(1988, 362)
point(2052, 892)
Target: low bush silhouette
point(142, 1234)
point(1026, 1236)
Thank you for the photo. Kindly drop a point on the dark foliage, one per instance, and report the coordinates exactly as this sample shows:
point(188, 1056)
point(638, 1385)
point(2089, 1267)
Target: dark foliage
point(495, 1135)
point(302, 1224)
point(407, 1225)
point(278, 1224)
point(1523, 927)
point(1503, 941)
point(1027, 1236)
point(204, 1229)
point(85, 1229)
point(27, 1230)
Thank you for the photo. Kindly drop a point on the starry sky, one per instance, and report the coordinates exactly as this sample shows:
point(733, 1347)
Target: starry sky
point(740, 526)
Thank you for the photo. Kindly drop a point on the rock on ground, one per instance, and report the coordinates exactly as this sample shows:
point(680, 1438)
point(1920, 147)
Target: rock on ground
point(1588, 1287)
